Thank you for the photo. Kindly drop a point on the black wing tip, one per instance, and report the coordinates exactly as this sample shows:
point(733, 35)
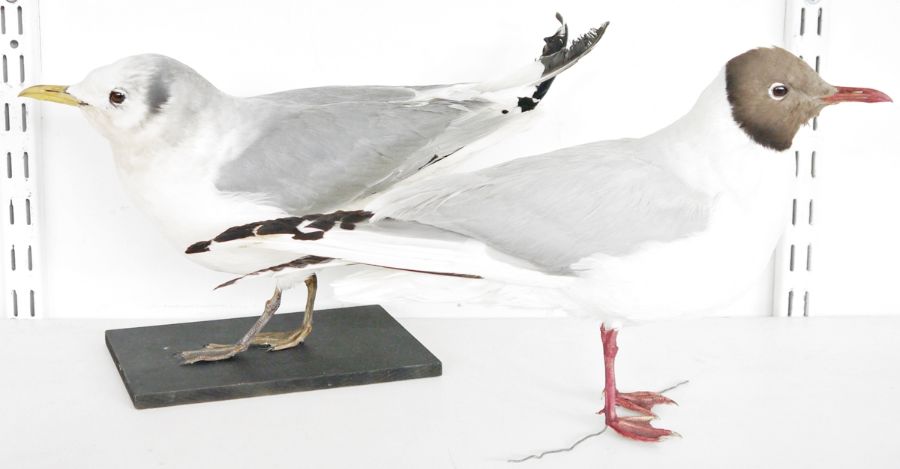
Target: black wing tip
point(198, 247)
point(558, 40)
point(556, 58)
point(588, 40)
point(345, 219)
point(561, 57)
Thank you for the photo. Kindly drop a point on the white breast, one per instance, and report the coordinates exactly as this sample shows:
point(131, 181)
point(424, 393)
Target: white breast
point(706, 269)
point(175, 187)
point(749, 187)
point(698, 272)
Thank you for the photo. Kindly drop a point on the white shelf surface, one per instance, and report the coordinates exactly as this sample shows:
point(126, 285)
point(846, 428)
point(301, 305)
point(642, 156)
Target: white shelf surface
point(763, 392)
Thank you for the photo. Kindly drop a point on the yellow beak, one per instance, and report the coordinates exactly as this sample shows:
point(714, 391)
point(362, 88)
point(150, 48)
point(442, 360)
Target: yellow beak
point(52, 93)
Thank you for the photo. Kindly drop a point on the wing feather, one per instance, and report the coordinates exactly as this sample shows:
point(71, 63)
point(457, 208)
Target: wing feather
point(556, 209)
point(522, 222)
point(346, 143)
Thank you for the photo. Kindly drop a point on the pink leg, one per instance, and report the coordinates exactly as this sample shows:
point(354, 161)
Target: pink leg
point(637, 427)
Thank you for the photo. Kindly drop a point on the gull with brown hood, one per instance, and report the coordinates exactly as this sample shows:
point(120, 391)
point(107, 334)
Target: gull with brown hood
point(679, 221)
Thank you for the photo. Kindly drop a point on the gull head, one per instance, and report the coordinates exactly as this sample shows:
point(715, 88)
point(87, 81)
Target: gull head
point(139, 99)
point(773, 92)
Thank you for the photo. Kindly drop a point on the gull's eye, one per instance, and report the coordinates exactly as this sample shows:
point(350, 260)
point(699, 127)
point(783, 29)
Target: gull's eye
point(778, 91)
point(116, 97)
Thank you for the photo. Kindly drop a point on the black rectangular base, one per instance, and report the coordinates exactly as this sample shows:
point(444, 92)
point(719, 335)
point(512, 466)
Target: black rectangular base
point(348, 346)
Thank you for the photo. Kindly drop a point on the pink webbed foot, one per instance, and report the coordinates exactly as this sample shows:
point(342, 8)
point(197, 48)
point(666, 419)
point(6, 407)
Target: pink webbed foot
point(635, 427)
point(638, 428)
point(641, 402)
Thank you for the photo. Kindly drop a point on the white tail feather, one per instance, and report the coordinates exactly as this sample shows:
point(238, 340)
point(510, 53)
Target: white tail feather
point(368, 286)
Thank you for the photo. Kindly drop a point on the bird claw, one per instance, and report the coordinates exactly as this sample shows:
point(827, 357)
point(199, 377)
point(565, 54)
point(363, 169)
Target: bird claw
point(281, 340)
point(211, 353)
point(641, 402)
point(639, 428)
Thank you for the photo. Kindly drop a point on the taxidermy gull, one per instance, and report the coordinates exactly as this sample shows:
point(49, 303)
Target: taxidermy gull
point(677, 221)
point(198, 160)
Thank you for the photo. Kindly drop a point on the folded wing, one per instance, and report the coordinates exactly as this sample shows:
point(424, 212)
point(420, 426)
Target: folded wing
point(351, 142)
point(526, 221)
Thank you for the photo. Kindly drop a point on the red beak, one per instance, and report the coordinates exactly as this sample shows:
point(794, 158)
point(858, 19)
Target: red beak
point(857, 95)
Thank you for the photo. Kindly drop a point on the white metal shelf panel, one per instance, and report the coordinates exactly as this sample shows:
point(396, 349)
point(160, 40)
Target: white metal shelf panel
point(805, 34)
point(21, 222)
point(839, 249)
point(856, 222)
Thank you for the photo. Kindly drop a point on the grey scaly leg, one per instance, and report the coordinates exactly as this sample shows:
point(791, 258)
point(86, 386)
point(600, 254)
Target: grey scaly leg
point(215, 352)
point(288, 339)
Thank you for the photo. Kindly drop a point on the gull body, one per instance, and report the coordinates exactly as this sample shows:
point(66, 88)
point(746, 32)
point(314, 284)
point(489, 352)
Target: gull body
point(678, 221)
point(199, 160)
point(735, 192)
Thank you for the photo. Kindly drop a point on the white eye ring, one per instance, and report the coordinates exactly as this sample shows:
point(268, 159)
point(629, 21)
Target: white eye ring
point(778, 91)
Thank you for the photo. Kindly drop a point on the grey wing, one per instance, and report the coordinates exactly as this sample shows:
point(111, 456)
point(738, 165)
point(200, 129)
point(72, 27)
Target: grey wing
point(313, 158)
point(558, 208)
point(319, 148)
point(343, 94)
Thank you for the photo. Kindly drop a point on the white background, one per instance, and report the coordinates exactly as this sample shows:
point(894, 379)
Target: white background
point(104, 258)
